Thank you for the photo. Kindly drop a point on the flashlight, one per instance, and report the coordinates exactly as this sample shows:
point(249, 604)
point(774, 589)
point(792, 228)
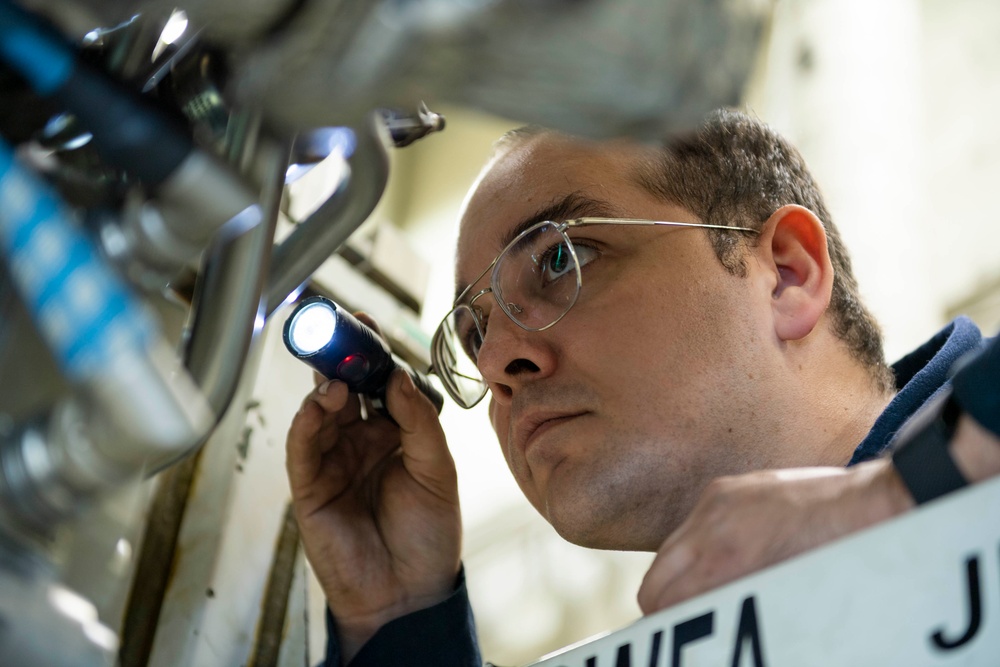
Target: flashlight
point(335, 343)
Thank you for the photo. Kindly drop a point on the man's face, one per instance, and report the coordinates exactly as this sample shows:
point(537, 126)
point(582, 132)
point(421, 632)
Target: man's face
point(613, 420)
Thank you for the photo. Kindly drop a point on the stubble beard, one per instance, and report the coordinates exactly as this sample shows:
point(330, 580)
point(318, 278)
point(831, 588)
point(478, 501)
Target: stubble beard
point(624, 504)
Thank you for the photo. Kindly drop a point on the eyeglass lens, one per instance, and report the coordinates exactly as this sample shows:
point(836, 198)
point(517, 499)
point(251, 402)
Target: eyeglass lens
point(535, 280)
point(455, 346)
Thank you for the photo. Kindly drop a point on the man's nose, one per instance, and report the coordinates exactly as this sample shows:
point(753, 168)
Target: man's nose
point(510, 356)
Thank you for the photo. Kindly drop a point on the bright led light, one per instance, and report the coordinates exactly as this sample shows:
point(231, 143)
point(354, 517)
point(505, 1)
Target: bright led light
point(174, 28)
point(312, 328)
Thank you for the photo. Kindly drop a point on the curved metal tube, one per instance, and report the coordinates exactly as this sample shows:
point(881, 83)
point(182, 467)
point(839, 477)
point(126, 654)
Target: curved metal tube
point(228, 309)
point(319, 236)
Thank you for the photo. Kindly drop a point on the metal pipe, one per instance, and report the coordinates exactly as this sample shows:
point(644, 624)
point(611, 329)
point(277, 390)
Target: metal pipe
point(228, 309)
point(319, 236)
point(135, 405)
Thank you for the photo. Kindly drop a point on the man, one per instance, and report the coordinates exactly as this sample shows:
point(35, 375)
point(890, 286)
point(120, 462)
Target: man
point(695, 321)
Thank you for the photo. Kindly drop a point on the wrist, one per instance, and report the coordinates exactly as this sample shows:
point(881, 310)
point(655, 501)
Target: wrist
point(921, 450)
point(976, 450)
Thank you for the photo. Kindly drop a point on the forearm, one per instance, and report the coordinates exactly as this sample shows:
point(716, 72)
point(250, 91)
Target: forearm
point(745, 523)
point(880, 493)
point(976, 450)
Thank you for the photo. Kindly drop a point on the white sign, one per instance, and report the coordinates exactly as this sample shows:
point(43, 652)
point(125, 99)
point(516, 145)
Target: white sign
point(922, 590)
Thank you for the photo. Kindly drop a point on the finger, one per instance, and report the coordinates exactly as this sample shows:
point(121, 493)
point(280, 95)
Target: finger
point(693, 583)
point(425, 450)
point(330, 395)
point(304, 446)
point(334, 398)
point(367, 319)
point(706, 573)
point(671, 566)
point(303, 451)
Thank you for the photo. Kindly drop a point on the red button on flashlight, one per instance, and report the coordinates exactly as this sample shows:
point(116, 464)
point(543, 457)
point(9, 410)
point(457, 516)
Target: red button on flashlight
point(353, 368)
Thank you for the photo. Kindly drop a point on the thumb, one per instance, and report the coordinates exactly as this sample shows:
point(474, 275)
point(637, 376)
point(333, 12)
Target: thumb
point(425, 449)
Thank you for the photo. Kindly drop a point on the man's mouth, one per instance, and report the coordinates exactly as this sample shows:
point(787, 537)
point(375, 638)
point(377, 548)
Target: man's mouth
point(532, 427)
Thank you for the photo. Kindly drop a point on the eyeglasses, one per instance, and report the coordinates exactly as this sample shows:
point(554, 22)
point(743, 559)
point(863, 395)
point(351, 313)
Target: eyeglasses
point(535, 280)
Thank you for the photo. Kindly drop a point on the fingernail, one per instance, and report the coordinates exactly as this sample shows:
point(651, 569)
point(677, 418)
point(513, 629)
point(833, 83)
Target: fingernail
point(409, 389)
point(323, 388)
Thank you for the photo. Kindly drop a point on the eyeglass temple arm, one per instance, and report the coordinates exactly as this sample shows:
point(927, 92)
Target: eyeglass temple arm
point(578, 222)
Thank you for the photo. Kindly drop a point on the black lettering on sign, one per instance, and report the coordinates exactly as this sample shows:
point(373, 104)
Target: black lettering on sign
point(942, 643)
point(624, 658)
point(689, 631)
point(748, 630)
point(654, 652)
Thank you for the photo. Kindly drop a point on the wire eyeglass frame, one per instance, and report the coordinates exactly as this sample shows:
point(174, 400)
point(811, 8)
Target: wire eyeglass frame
point(443, 355)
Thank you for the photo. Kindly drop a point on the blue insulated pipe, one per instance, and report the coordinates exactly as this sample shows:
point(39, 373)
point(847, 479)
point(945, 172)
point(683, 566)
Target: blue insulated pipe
point(81, 307)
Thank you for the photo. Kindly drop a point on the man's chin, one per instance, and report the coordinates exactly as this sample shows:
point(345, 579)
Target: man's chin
point(618, 505)
point(584, 526)
point(608, 540)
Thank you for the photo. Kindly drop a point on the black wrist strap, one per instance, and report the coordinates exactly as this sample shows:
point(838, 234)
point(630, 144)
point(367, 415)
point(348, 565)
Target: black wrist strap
point(977, 386)
point(920, 451)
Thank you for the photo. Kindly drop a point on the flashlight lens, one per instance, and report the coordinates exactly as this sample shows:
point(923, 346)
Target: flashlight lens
point(312, 328)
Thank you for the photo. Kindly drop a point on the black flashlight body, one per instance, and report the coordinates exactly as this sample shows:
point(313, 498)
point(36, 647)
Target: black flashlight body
point(355, 355)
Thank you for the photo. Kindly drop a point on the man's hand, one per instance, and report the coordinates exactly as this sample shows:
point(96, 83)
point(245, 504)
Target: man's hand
point(744, 523)
point(377, 505)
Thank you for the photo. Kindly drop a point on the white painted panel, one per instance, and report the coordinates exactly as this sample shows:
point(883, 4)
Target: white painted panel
point(875, 598)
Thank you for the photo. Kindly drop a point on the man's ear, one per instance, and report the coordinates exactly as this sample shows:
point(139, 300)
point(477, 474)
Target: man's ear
point(793, 247)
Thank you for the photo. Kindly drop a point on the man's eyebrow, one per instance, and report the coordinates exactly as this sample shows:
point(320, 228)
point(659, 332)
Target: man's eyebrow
point(573, 205)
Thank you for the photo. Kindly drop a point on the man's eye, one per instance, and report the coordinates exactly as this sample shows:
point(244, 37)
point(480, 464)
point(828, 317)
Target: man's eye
point(471, 340)
point(556, 262)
